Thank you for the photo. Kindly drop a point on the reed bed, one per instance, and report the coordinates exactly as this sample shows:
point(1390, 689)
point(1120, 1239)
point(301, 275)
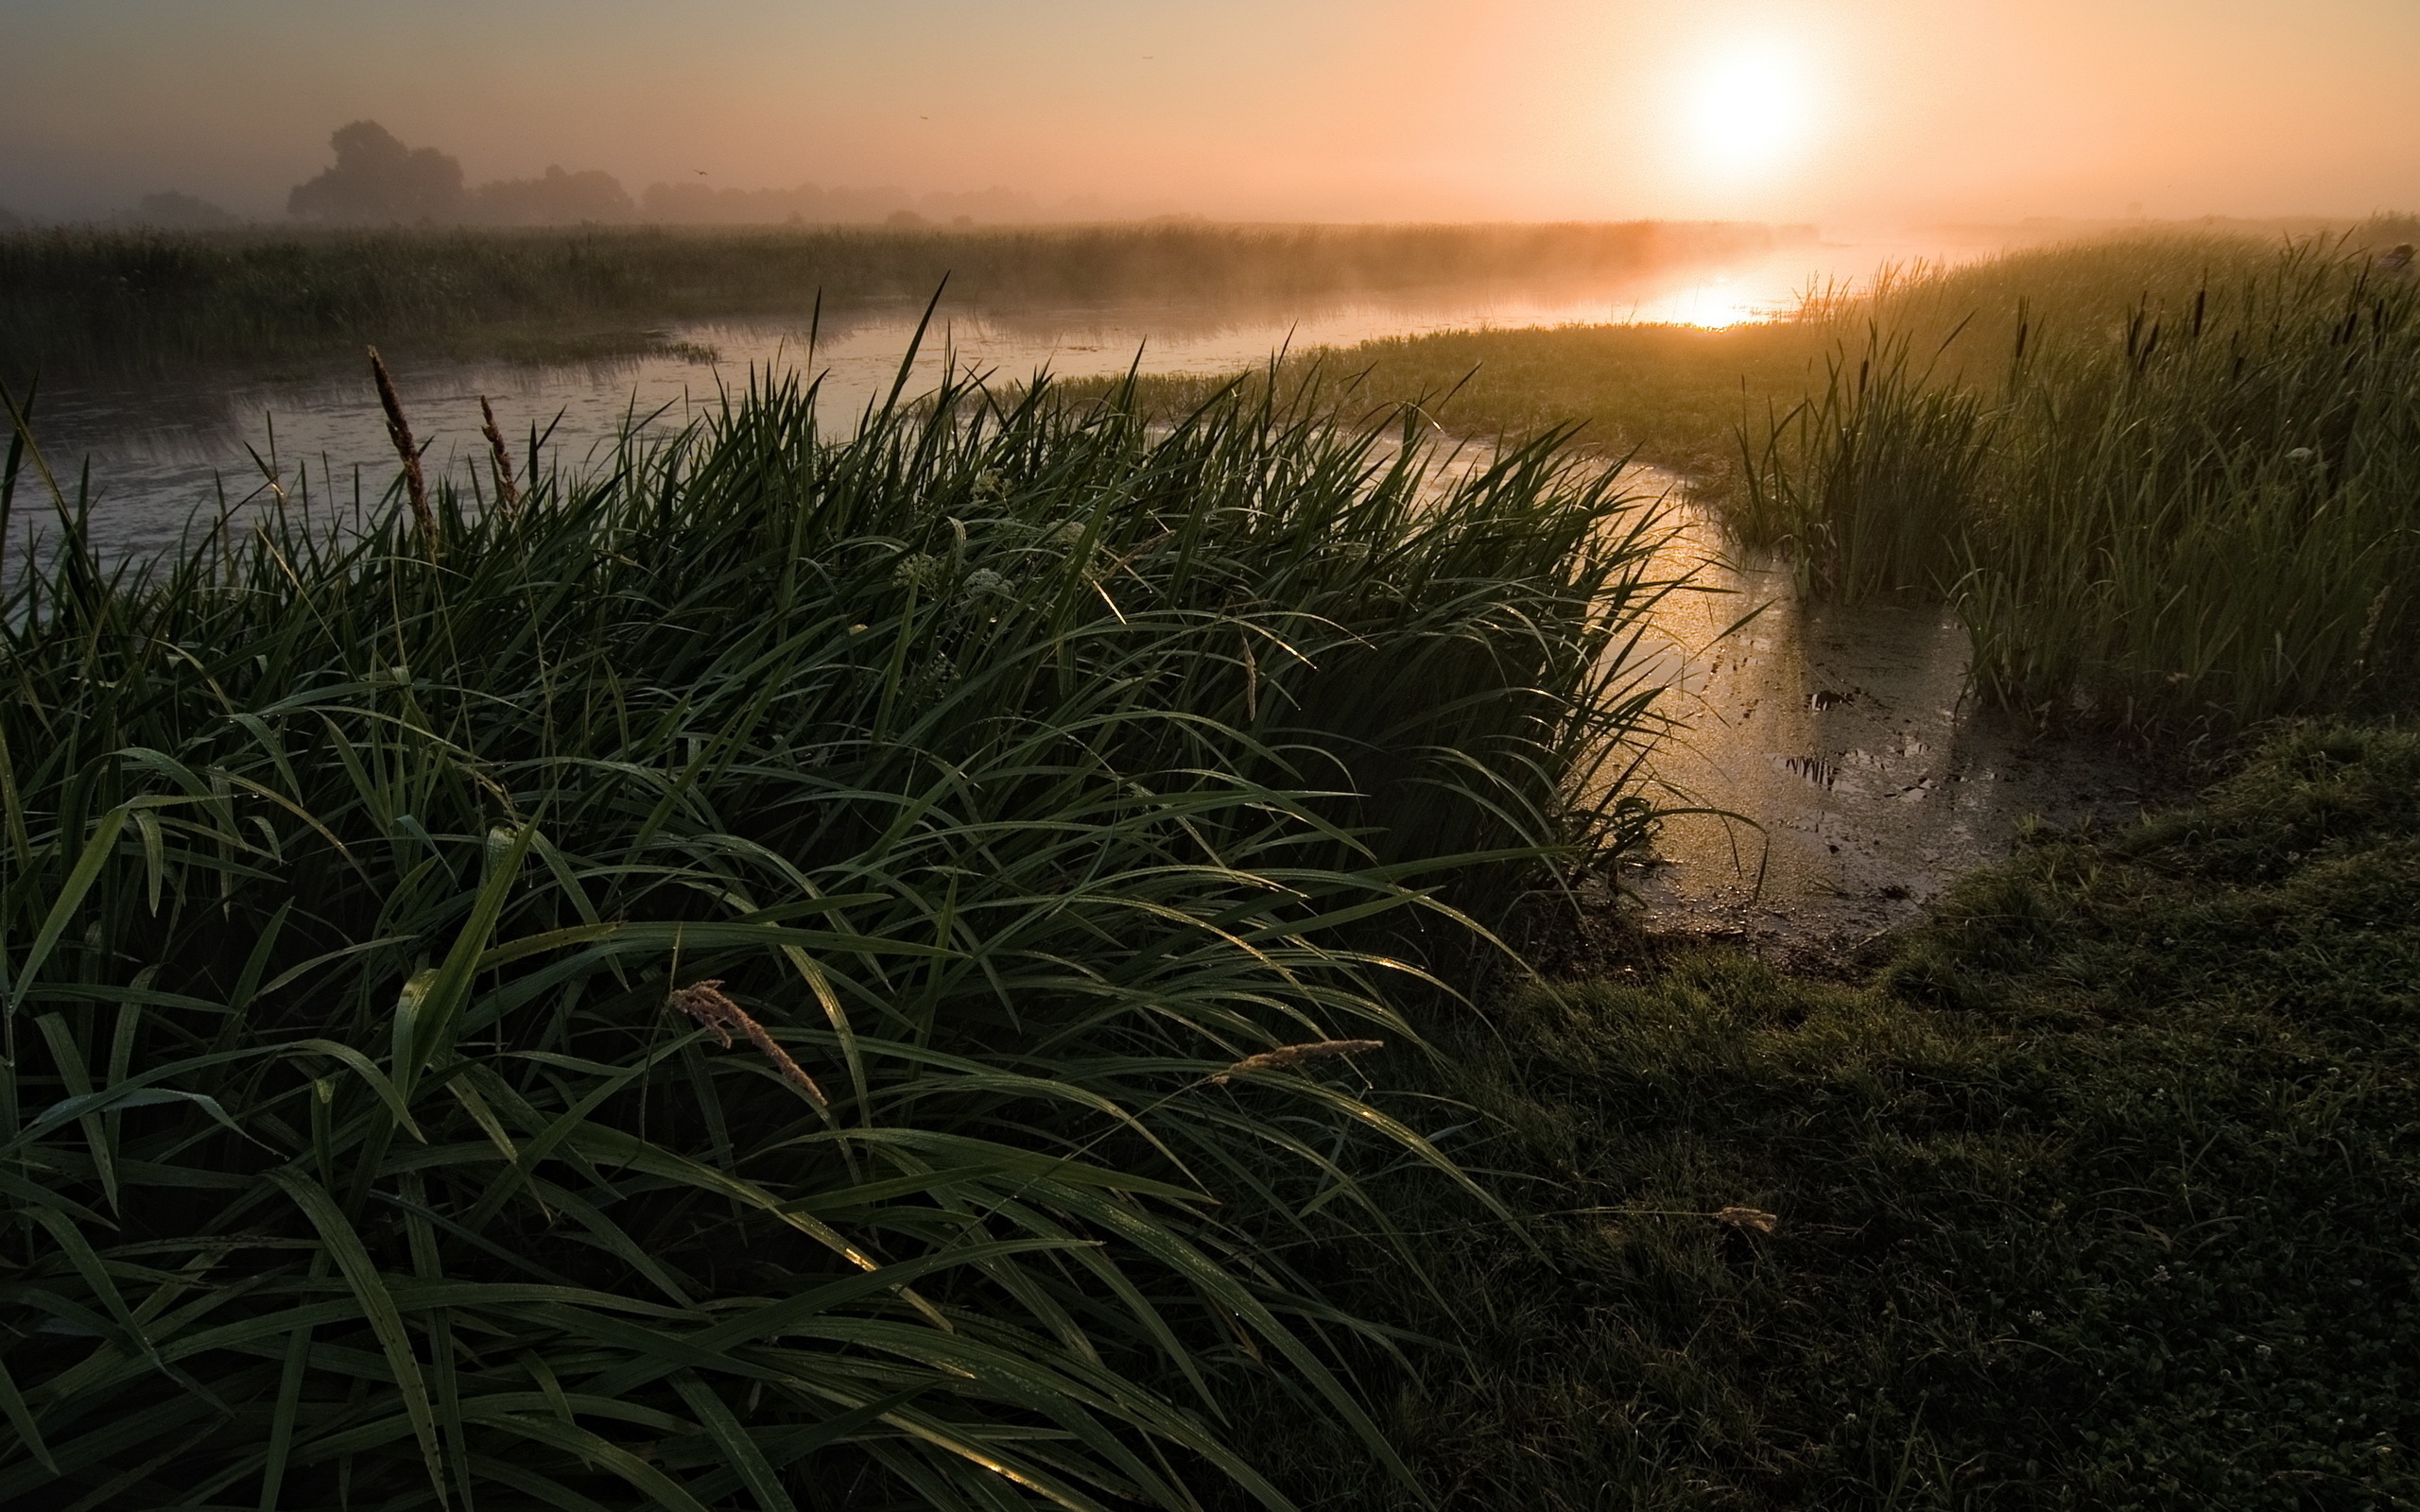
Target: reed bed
point(798, 973)
point(78, 300)
point(2168, 483)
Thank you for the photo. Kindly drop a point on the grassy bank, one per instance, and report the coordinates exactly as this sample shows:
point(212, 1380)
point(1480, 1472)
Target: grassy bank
point(766, 979)
point(2097, 1193)
point(102, 300)
point(1669, 395)
point(2168, 485)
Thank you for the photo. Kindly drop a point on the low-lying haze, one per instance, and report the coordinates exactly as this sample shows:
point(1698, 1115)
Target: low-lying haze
point(1848, 110)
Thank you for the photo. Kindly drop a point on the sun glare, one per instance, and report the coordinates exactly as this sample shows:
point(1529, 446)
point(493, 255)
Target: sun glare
point(1749, 111)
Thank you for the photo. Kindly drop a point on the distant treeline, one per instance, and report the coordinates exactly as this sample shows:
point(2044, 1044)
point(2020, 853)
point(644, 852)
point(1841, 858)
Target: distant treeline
point(86, 298)
point(377, 180)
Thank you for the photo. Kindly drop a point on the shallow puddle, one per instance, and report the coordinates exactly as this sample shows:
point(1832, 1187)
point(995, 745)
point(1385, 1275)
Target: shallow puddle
point(1853, 740)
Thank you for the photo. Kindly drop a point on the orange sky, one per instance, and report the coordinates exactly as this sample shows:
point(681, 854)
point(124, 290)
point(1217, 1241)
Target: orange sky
point(1854, 110)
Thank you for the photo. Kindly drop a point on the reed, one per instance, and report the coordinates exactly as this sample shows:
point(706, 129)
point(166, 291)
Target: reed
point(2168, 483)
point(1047, 800)
point(399, 432)
point(507, 486)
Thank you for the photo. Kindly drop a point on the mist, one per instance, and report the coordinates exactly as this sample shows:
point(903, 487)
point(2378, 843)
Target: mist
point(1881, 110)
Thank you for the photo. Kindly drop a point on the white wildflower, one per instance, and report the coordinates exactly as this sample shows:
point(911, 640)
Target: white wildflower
point(923, 574)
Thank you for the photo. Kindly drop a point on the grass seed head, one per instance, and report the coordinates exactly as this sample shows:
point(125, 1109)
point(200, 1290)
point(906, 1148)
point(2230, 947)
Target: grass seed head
point(719, 1016)
point(399, 429)
point(1285, 1056)
point(508, 489)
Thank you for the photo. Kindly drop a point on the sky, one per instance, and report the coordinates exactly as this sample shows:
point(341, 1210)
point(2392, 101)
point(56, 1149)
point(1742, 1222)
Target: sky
point(1864, 111)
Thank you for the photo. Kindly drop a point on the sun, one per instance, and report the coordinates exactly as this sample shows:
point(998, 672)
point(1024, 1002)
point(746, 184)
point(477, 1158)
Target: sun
point(1748, 109)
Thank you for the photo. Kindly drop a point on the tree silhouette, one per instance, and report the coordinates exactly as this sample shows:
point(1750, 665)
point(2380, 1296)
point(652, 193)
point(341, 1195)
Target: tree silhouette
point(377, 179)
point(553, 199)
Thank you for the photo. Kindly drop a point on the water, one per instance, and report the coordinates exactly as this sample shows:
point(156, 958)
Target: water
point(1865, 774)
point(159, 452)
point(1848, 737)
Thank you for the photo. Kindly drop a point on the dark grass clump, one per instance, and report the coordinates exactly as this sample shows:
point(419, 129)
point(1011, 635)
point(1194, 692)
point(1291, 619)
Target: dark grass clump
point(2098, 1195)
point(799, 973)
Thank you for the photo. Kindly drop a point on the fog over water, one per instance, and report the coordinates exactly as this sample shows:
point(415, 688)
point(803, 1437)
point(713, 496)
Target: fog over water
point(158, 450)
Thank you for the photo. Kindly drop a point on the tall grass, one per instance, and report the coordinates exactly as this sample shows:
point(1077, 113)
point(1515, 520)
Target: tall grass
point(91, 299)
point(2168, 483)
point(755, 980)
point(1865, 485)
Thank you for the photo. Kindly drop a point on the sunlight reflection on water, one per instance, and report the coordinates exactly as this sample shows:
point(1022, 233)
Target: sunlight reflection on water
point(162, 453)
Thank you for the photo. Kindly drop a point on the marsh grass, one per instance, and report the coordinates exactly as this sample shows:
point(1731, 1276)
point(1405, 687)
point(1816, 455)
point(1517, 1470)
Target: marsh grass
point(2169, 484)
point(1866, 486)
point(778, 977)
point(99, 300)
point(1671, 396)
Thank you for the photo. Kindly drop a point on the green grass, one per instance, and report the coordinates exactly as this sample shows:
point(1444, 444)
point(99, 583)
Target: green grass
point(1670, 395)
point(2169, 484)
point(1021, 771)
point(2097, 1192)
point(91, 300)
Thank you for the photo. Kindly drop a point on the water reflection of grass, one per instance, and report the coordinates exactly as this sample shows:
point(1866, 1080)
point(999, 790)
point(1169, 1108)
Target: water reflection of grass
point(84, 300)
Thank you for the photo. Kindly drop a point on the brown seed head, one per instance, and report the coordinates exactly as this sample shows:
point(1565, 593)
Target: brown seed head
point(399, 431)
point(508, 492)
point(1286, 1055)
point(1756, 1218)
point(719, 1016)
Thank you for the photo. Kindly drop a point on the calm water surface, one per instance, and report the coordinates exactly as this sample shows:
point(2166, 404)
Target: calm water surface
point(1854, 772)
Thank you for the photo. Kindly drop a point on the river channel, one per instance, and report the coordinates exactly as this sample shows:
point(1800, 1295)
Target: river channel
point(1852, 771)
